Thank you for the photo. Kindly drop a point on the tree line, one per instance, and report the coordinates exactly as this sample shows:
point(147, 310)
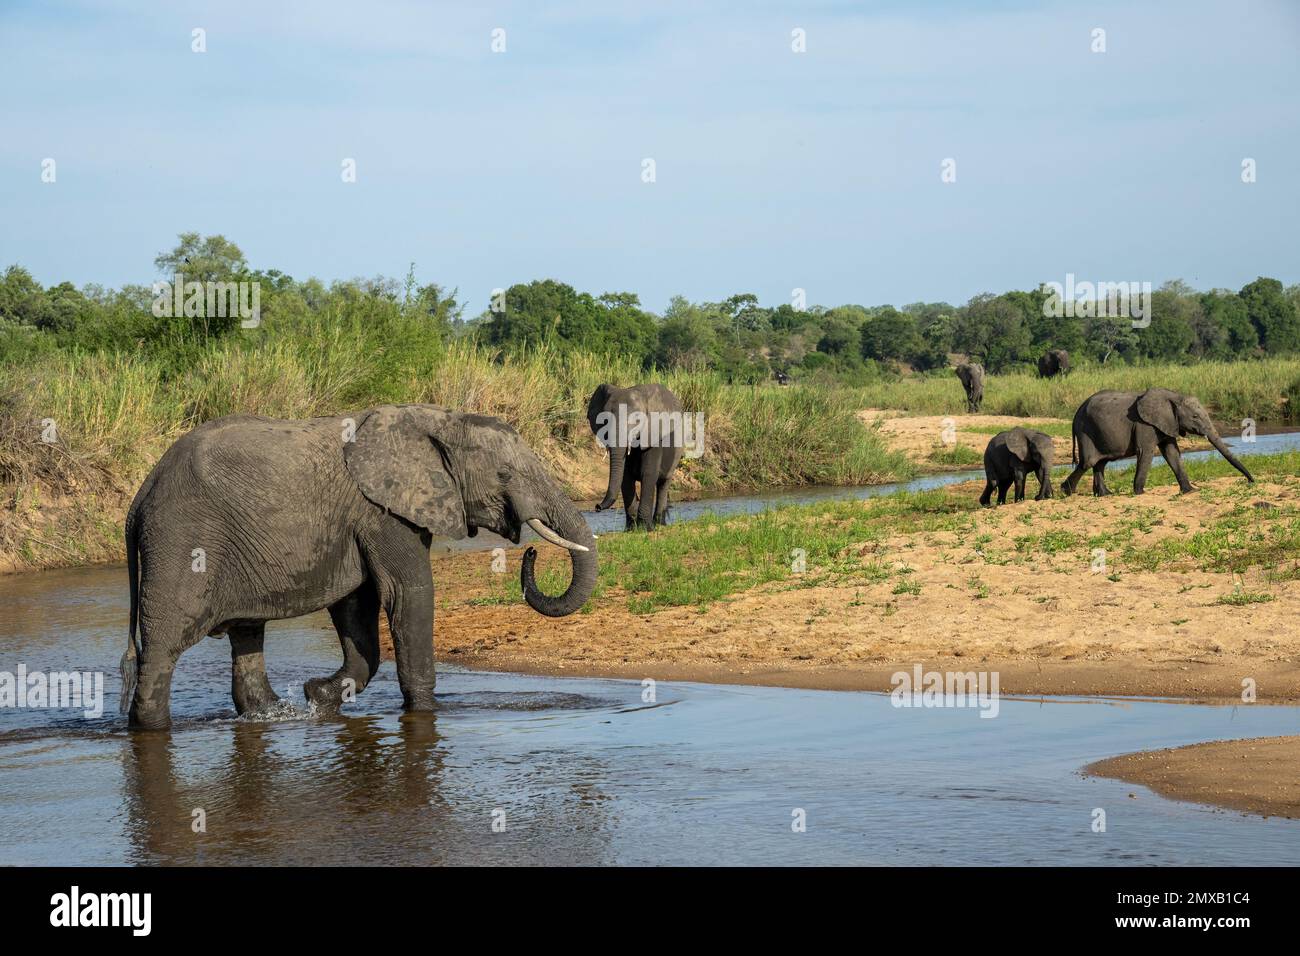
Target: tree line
point(738, 336)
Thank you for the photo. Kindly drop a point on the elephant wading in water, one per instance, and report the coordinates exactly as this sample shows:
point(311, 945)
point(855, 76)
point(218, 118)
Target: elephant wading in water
point(1054, 362)
point(1010, 456)
point(1112, 425)
point(246, 520)
point(972, 379)
point(643, 428)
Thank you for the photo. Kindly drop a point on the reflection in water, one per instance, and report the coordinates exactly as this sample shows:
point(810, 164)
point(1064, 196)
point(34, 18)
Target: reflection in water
point(373, 790)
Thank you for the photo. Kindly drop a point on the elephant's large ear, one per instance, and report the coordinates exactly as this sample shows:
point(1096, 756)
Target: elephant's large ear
point(596, 404)
point(1155, 406)
point(1043, 445)
point(398, 461)
point(1018, 444)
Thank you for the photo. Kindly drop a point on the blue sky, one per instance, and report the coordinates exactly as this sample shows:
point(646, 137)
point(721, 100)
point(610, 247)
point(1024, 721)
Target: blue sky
point(774, 170)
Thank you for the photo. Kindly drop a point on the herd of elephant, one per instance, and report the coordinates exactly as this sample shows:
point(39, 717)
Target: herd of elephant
point(1108, 426)
point(246, 520)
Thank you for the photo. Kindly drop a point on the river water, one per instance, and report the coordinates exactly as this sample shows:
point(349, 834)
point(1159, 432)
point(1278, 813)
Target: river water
point(574, 771)
point(516, 769)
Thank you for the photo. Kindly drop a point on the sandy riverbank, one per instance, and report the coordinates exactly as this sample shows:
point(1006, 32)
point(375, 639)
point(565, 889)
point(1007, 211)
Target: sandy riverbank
point(1258, 775)
point(973, 599)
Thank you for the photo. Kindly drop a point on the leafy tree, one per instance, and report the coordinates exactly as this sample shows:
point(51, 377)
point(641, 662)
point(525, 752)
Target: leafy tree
point(202, 259)
point(686, 337)
point(1272, 314)
point(1109, 335)
point(1228, 314)
point(1174, 317)
point(890, 335)
point(995, 331)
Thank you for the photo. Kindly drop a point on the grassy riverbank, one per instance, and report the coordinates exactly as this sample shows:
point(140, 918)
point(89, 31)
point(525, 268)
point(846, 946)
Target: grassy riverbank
point(1267, 390)
point(111, 415)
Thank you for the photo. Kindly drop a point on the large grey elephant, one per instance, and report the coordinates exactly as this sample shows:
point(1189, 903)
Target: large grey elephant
point(246, 520)
point(1010, 456)
point(1112, 425)
point(972, 379)
point(1053, 362)
point(642, 427)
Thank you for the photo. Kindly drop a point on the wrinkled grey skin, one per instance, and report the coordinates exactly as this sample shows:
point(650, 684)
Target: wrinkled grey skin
point(1112, 425)
point(638, 460)
point(1010, 456)
point(338, 513)
point(972, 379)
point(1054, 362)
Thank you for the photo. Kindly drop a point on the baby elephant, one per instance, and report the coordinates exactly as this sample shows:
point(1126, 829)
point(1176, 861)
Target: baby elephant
point(1009, 456)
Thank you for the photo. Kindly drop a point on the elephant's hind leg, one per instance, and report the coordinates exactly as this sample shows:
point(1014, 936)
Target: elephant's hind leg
point(162, 640)
point(987, 497)
point(249, 686)
point(356, 619)
point(1143, 469)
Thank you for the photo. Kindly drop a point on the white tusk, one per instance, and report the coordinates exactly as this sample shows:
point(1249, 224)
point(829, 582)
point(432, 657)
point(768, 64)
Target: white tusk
point(551, 536)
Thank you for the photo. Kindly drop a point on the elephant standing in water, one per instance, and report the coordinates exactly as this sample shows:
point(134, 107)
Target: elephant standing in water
point(972, 379)
point(246, 520)
point(1010, 455)
point(642, 427)
point(1053, 362)
point(1112, 425)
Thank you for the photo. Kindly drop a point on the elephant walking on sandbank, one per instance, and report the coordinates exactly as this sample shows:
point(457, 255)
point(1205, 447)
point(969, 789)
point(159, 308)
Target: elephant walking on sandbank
point(643, 428)
point(246, 520)
point(1010, 456)
point(972, 380)
point(1111, 425)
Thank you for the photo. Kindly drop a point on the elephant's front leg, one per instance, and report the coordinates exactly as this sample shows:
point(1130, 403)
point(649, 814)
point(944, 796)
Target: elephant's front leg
point(249, 685)
point(1170, 450)
point(400, 564)
point(661, 500)
point(630, 475)
point(356, 619)
point(1044, 483)
point(650, 462)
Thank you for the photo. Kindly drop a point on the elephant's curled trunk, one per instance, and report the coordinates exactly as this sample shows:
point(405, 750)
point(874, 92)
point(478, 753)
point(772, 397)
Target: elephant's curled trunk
point(1232, 459)
point(568, 523)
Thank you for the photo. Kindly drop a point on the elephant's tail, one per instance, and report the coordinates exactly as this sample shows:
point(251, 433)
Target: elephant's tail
point(1074, 447)
point(130, 659)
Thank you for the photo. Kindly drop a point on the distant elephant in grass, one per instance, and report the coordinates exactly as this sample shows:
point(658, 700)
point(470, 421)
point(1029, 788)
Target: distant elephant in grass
point(642, 427)
point(246, 520)
point(1112, 425)
point(1010, 455)
point(972, 379)
point(1053, 362)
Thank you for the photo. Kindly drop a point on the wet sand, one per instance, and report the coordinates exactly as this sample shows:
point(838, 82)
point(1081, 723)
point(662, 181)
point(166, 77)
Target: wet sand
point(1257, 775)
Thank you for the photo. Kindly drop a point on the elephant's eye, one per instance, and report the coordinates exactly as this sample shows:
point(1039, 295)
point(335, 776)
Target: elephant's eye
point(505, 475)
